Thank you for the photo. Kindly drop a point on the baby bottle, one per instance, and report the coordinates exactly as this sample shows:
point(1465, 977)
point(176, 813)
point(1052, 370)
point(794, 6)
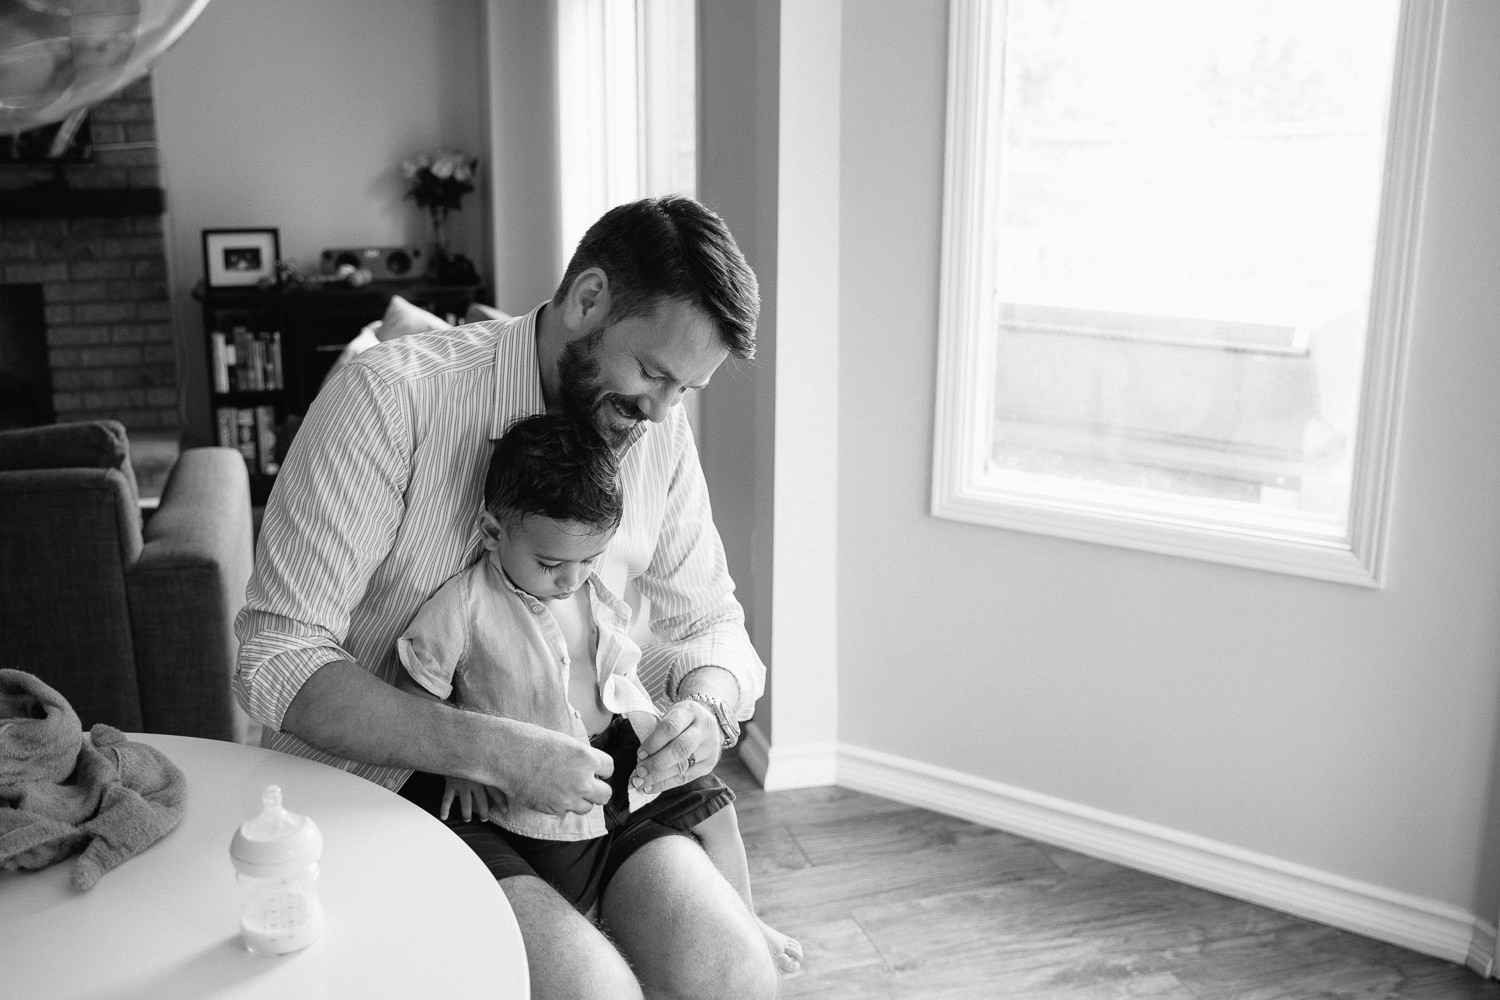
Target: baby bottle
point(276, 857)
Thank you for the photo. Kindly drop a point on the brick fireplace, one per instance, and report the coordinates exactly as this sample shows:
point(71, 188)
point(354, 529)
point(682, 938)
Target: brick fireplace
point(83, 280)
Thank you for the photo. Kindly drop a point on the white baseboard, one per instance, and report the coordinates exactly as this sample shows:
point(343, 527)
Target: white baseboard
point(781, 768)
point(1481, 956)
point(1422, 925)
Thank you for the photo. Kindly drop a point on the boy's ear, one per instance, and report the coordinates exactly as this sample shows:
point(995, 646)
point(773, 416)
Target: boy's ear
point(491, 531)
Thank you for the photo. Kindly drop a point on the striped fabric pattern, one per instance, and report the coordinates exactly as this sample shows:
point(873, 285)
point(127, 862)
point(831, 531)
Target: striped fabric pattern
point(376, 506)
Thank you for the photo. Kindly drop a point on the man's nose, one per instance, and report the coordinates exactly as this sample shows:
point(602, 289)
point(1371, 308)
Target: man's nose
point(655, 407)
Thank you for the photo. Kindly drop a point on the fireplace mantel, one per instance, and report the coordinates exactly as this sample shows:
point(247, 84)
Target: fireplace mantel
point(72, 203)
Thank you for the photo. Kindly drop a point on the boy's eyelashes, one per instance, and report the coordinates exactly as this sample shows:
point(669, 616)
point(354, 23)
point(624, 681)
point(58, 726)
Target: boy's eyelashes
point(556, 565)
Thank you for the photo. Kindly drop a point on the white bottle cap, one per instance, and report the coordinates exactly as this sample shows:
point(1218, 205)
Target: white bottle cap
point(276, 842)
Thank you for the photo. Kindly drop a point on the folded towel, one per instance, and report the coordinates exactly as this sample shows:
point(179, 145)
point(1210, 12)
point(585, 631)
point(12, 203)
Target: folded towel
point(62, 792)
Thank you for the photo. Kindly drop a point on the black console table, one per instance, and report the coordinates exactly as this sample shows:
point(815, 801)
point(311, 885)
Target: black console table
point(269, 349)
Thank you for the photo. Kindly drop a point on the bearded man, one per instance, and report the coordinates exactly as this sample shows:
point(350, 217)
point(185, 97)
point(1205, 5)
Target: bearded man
point(375, 507)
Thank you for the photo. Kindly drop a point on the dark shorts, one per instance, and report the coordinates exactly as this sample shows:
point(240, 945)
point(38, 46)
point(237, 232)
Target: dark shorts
point(580, 870)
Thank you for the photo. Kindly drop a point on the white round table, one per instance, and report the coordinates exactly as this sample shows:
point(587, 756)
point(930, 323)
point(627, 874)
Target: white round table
point(410, 911)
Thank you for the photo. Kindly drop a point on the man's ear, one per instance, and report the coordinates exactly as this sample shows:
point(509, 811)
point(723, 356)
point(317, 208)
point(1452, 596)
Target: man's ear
point(587, 301)
point(491, 531)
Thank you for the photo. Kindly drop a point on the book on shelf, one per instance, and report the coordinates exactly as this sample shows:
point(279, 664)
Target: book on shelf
point(245, 436)
point(265, 440)
point(224, 426)
point(252, 431)
point(246, 360)
point(278, 374)
point(220, 362)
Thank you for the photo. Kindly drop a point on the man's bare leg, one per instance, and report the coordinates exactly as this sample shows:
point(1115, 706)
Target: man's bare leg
point(684, 929)
point(569, 959)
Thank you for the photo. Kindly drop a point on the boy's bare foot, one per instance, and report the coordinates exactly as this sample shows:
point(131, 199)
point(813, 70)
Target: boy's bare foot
point(785, 951)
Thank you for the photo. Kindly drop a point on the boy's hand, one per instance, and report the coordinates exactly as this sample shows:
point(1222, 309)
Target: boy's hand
point(475, 801)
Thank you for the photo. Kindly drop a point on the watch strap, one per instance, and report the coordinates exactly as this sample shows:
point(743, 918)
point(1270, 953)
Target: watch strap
point(729, 729)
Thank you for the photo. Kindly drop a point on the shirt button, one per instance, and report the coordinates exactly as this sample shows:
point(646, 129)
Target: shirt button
point(536, 609)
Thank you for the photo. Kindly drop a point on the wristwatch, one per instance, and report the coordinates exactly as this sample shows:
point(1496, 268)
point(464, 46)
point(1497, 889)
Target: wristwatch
point(728, 728)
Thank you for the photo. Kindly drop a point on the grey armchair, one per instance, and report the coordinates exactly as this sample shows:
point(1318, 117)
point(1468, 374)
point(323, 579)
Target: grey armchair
point(132, 622)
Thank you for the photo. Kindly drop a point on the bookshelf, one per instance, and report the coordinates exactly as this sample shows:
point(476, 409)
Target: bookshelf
point(268, 350)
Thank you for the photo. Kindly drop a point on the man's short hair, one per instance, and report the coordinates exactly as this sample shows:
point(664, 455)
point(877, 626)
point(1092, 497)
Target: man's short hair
point(554, 466)
point(671, 248)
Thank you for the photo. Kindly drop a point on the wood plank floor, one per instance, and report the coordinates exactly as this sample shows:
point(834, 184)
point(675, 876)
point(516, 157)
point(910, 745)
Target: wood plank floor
point(896, 903)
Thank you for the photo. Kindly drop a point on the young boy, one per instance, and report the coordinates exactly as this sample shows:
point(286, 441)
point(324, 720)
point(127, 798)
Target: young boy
point(499, 636)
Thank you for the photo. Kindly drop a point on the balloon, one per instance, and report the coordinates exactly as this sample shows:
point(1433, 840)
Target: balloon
point(58, 56)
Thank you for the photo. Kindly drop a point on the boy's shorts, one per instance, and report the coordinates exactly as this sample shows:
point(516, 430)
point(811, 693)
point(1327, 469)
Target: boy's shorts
point(580, 870)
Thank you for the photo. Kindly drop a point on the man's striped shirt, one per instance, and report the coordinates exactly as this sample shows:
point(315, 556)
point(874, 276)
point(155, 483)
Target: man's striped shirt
point(377, 505)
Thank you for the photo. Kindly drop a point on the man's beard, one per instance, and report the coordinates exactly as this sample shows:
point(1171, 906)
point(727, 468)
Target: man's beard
point(581, 385)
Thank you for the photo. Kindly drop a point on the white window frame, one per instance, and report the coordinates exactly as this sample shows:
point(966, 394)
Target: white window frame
point(960, 491)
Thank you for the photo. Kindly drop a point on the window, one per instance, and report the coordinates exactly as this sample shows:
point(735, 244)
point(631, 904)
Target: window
point(1177, 247)
point(628, 104)
point(627, 95)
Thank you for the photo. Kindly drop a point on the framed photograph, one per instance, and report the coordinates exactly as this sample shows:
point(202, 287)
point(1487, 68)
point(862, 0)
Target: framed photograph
point(234, 258)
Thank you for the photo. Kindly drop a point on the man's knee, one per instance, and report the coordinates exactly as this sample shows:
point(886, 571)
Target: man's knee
point(686, 931)
point(566, 955)
point(742, 970)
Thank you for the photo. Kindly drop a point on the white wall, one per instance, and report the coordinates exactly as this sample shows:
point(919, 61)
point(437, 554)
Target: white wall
point(737, 178)
point(1346, 730)
point(296, 115)
point(530, 252)
point(770, 105)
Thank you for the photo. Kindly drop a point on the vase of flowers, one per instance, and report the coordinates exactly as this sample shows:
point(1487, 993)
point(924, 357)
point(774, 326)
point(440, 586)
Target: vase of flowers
point(437, 182)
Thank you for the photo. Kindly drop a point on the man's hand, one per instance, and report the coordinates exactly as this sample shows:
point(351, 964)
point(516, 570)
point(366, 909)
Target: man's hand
point(346, 710)
point(547, 771)
point(684, 745)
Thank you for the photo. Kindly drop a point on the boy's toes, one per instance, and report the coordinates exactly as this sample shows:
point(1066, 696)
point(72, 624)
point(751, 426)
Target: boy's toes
point(790, 959)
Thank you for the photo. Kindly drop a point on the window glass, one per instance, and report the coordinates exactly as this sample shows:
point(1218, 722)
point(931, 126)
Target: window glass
point(627, 101)
point(1178, 208)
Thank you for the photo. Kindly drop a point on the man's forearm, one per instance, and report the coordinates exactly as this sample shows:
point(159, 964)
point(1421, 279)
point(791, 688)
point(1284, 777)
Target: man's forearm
point(348, 711)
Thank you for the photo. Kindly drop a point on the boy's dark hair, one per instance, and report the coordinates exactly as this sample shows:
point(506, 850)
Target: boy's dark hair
point(554, 466)
point(671, 248)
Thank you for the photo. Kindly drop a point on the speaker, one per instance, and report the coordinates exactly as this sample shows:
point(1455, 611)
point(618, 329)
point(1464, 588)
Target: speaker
point(383, 263)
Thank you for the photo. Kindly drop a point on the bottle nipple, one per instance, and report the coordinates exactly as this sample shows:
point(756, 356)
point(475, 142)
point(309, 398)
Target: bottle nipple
point(273, 820)
point(275, 838)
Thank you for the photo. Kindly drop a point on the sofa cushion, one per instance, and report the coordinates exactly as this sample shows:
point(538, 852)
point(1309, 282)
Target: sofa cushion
point(480, 313)
point(402, 318)
point(92, 444)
